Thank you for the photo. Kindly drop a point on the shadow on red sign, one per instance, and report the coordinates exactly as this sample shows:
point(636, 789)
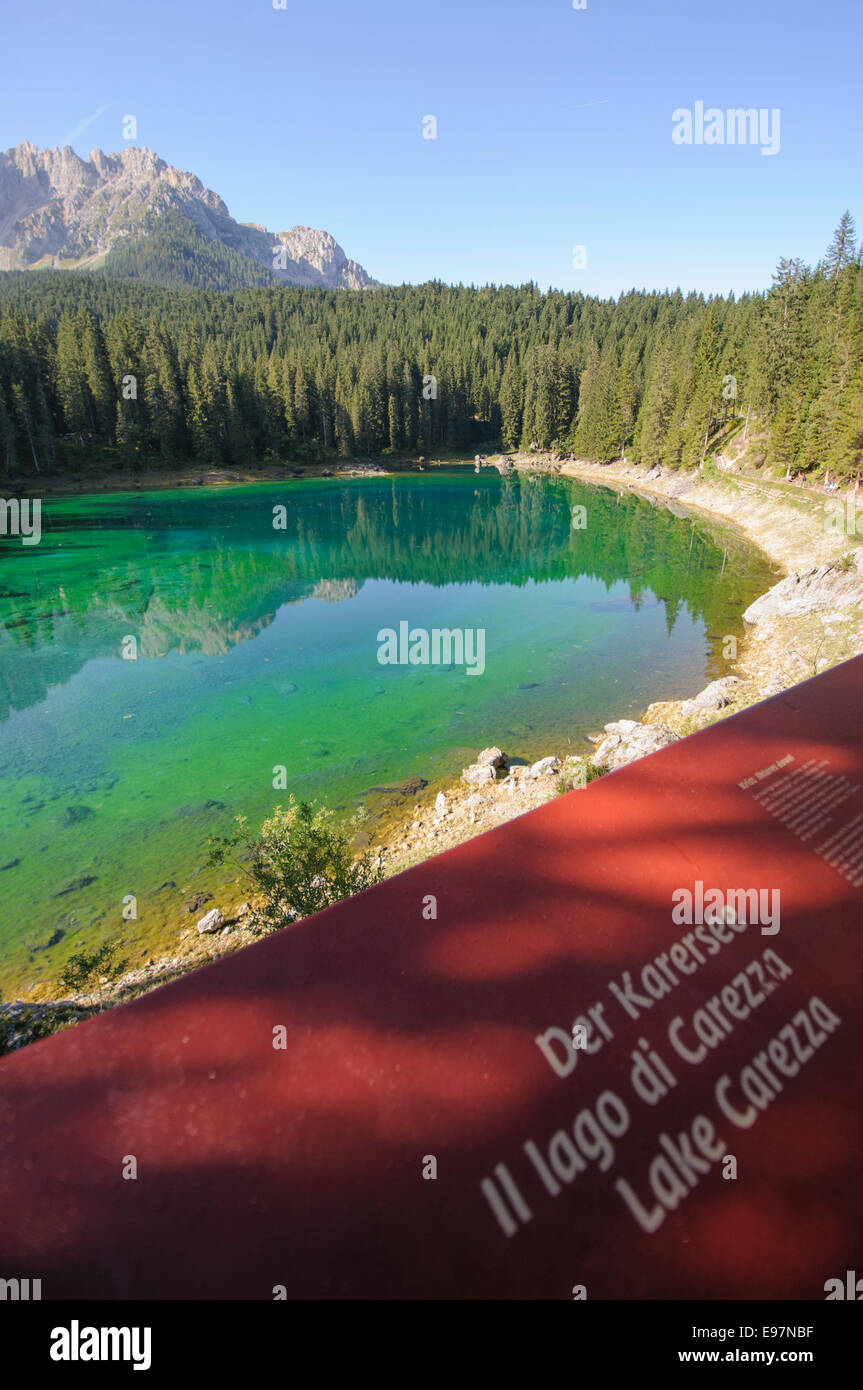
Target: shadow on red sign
point(624, 1056)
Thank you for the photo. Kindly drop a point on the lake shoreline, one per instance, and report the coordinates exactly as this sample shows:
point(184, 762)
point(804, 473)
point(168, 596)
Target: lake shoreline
point(778, 651)
point(145, 480)
point(789, 530)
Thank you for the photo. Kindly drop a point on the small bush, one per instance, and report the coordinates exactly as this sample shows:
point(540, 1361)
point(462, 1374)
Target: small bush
point(298, 864)
point(90, 969)
point(579, 777)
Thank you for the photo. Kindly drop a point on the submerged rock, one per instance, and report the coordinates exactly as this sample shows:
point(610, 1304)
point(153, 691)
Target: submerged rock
point(412, 785)
point(77, 884)
point(53, 940)
point(198, 901)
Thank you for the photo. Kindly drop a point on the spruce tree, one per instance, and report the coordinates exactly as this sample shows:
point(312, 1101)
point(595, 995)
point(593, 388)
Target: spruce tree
point(510, 404)
point(842, 250)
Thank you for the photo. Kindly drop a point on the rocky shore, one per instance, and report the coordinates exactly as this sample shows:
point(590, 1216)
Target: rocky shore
point(203, 940)
point(810, 620)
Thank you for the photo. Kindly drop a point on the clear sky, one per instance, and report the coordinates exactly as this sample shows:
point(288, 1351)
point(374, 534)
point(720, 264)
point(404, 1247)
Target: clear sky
point(554, 125)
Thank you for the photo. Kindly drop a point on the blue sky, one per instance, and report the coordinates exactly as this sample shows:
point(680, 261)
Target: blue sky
point(554, 125)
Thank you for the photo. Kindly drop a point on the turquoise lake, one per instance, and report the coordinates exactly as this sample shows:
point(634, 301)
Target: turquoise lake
point(257, 648)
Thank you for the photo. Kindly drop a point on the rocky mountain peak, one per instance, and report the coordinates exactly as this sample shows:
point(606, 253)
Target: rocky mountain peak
point(57, 209)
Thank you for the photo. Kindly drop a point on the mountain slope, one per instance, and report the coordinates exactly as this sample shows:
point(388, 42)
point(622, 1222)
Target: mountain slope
point(176, 254)
point(59, 210)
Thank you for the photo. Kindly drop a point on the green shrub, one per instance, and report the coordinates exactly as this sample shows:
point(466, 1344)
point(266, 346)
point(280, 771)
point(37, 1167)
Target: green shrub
point(578, 777)
point(90, 969)
point(298, 863)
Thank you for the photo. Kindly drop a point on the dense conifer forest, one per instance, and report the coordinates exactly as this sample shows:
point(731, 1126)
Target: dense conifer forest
point(131, 373)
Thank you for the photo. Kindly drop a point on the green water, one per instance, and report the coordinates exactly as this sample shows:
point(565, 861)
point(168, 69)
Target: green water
point(257, 647)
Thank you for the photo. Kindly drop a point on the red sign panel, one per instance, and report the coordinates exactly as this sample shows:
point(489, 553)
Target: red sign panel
point(610, 1050)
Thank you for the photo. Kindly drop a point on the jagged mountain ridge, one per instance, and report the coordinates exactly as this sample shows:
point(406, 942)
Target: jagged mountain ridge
point(59, 210)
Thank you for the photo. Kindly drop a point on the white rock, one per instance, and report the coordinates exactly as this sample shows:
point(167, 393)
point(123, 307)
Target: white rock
point(825, 586)
point(212, 922)
point(492, 757)
point(712, 697)
point(477, 775)
point(544, 767)
point(633, 741)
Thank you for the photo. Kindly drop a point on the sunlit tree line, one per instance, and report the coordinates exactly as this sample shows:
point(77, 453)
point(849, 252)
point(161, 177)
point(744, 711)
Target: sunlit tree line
point(134, 373)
